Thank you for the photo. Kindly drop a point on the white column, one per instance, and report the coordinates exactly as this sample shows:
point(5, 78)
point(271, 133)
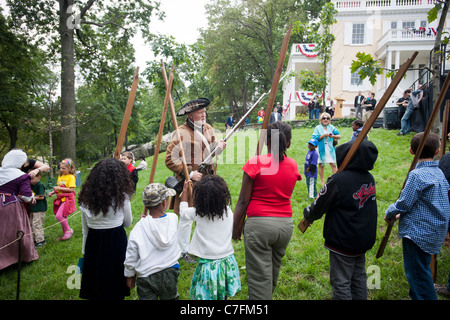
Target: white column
point(292, 93)
point(397, 59)
point(388, 67)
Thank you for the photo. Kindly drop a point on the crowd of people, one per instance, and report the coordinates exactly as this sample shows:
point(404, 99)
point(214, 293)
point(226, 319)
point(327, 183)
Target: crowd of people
point(112, 265)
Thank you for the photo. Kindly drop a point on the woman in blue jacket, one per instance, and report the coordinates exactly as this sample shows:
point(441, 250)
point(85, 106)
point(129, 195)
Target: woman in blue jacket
point(326, 133)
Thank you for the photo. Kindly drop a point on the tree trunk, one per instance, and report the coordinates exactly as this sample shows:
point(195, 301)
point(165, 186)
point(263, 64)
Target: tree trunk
point(68, 132)
point(435, 64)
point(12, 131)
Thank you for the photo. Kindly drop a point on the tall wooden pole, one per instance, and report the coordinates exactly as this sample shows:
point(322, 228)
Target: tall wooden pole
point(272, 95)
point(303, 225)
point(163, 119)
point(433, 263)
point(161, 125)
point(273, 91)
point(127, 115)
point(426, 132)
point(177, 133)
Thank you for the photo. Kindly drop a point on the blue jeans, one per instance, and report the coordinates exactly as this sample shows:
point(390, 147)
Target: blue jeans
point(418, 272)
point(406, 119)
point(311, 114)
point(316, 113)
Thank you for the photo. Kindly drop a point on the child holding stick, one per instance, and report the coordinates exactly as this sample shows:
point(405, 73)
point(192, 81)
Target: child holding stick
point(423, 209)
point(217, 275)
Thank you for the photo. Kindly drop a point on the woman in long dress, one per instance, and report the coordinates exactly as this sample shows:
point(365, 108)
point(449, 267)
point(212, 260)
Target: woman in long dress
point(326, 133)
point(15, 189)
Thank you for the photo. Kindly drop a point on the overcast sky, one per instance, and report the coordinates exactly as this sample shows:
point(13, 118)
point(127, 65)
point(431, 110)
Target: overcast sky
point(183, 19)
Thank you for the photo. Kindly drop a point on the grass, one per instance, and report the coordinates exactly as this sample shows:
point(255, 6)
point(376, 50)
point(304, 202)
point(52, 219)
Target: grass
point(305, 268)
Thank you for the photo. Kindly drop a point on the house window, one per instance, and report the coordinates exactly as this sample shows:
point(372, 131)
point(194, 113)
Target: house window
point(423, 24)
point(358, 33)
point(393, 24)
point(422, 73)
point(354, 79)
point(408, 24)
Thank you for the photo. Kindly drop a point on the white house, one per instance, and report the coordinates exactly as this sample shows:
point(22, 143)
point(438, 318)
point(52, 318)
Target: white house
point(389, 30)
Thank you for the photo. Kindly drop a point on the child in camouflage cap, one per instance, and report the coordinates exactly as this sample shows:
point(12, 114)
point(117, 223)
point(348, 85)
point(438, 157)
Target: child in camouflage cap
point(153, 251)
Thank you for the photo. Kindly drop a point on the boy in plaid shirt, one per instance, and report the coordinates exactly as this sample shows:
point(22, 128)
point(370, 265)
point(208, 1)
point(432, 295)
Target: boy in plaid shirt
point(423, 209)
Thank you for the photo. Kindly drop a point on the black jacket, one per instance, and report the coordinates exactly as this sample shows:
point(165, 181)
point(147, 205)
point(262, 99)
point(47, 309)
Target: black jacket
point(349, 201)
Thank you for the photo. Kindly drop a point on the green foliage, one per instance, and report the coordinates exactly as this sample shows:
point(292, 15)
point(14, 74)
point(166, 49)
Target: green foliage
point(433, 13)
point(305, 268)
point(24, 84)
point(367, 67)
point(320, 34)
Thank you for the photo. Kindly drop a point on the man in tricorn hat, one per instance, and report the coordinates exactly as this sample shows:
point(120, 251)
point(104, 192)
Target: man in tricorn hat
point(198, 140)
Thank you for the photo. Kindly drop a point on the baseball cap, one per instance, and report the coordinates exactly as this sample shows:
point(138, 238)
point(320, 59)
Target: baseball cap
point(314, 142)
point(155, 193)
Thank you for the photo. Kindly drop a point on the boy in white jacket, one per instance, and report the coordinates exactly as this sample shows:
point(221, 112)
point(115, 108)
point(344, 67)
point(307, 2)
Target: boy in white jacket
point(153, 252)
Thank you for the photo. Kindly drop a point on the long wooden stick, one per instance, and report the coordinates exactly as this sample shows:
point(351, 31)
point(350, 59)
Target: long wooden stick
point(444, 129)
point(272, 95)
point(273, 91)
point(303, 225)
point(433, 263)
point(239, 123)
point(163, 119)
point(426, 132)
point(161, 127)
point(127, 114)
point(177, 133)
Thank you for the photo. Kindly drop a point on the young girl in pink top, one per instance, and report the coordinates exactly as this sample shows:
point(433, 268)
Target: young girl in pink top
point(65, 184)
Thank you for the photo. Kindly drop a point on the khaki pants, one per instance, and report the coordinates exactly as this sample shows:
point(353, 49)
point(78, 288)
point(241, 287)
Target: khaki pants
point(37, 220)
point(367, 115)
point(266, 240)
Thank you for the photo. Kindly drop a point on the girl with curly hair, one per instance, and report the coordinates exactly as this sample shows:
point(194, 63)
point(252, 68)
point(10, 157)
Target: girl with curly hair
point(217, 274)
point(105, 211)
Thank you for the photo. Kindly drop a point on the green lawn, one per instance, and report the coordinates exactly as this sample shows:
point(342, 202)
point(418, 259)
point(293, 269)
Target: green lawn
point(305, 268)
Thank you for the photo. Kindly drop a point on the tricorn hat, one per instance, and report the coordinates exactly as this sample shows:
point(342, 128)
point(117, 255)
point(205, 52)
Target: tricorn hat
point(193, 105)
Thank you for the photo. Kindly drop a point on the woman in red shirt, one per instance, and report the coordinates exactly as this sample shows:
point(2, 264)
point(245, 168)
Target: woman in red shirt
point(265, 198)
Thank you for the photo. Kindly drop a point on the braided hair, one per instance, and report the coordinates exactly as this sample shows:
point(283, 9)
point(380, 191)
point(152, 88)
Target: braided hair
point(211, 197)
point(278, 137)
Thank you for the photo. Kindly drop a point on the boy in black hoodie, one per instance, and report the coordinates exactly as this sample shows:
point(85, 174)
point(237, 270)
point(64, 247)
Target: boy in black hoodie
point(349, 201)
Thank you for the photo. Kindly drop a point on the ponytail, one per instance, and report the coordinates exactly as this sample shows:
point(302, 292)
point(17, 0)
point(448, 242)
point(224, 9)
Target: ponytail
point(278, 137)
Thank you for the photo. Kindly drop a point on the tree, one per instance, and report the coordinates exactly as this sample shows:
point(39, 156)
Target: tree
point(320, 34)
point(242, 45)
point(23, 76)
point(55, 28)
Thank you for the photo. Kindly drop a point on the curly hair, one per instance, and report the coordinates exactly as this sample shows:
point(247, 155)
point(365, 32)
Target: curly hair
point(211, 197)
point(106, 186)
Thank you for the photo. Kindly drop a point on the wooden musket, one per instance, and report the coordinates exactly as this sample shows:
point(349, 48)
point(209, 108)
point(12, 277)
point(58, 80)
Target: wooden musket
point(238, 124)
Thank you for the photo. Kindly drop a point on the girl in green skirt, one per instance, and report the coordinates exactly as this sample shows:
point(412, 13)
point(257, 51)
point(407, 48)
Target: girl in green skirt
point(217, 274)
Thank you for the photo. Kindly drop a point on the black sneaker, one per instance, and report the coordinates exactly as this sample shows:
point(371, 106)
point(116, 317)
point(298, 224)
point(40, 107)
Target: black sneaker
point(442, 290)
point(39, 244)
